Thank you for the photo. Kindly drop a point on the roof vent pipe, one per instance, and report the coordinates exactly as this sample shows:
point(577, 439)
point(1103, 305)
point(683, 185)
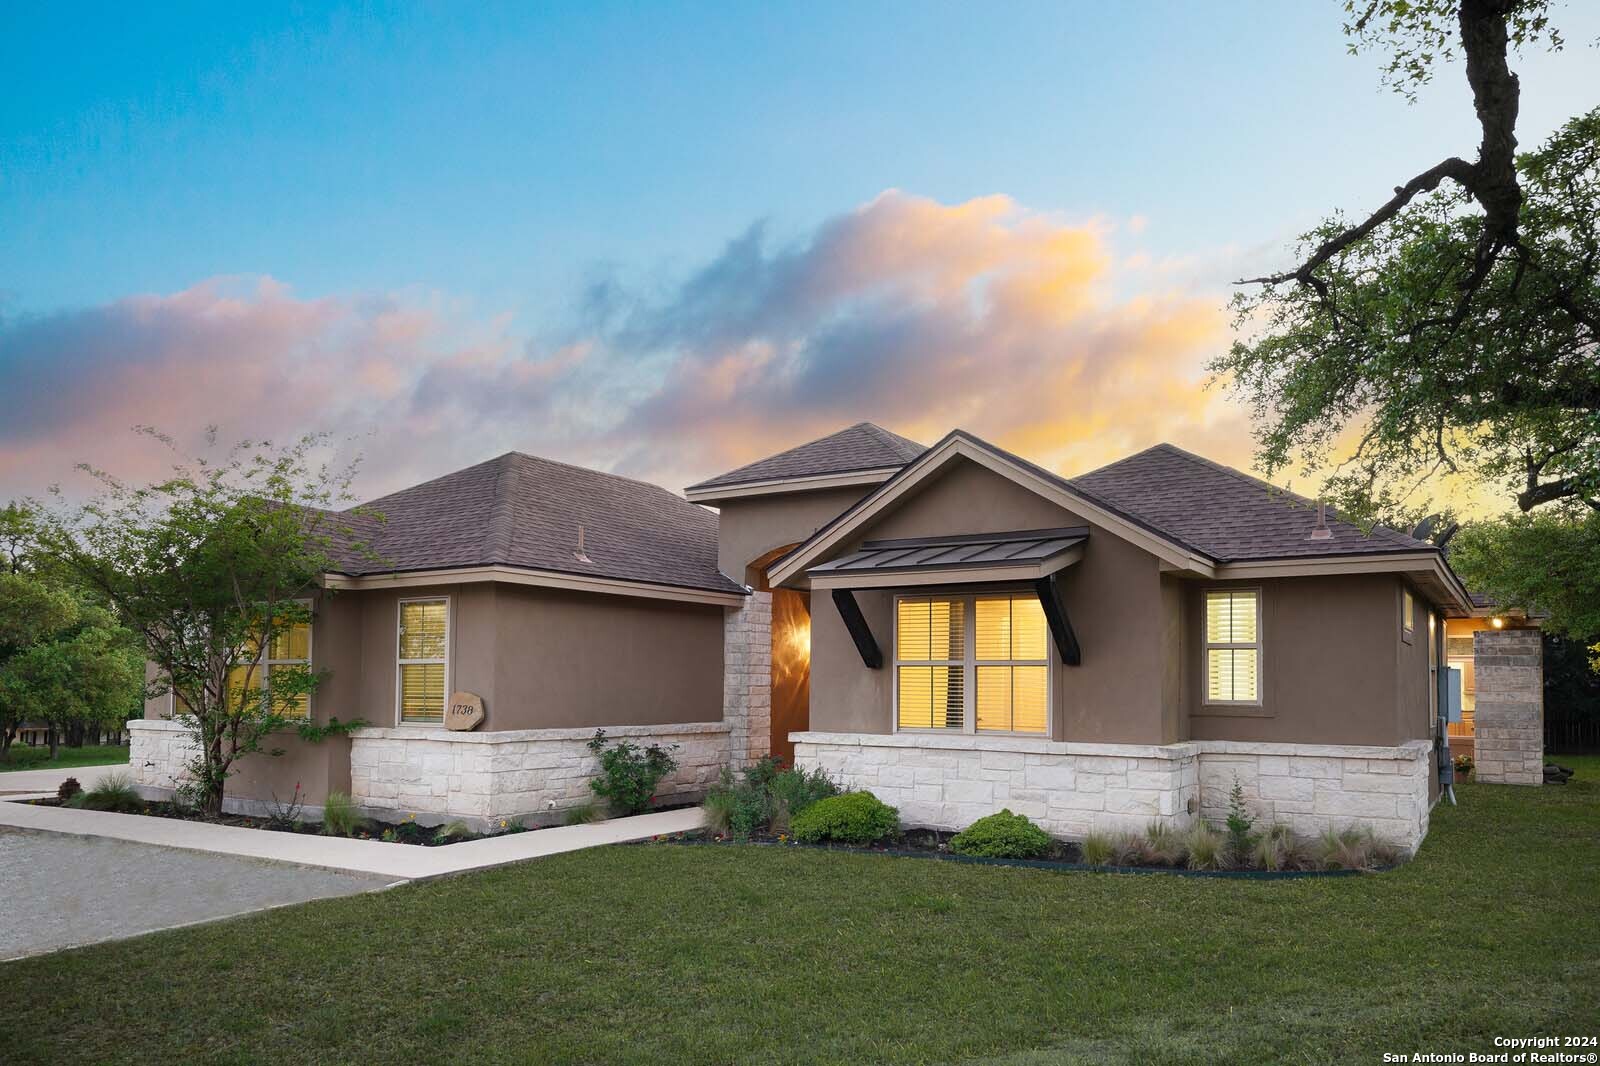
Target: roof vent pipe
point(581, 555)
point(1321, 530)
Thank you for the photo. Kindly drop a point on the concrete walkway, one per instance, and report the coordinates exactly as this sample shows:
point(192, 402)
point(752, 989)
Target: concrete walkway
point(16, 781)
point(396, 861)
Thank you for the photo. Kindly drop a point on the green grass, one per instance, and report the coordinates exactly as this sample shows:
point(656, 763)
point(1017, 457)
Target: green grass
point(661, 953)
point(38, 758)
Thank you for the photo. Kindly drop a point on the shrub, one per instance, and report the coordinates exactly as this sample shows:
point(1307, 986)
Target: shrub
point(456, 830)
point(340, 818)
point(719, 805)
point(1240, 839)
point(68, 789)
point(1464, 765)
point(1131, 849)
point(113, 792)
point(750, 811)
point(1352, 849)
point(1165, 844)
point(852, 818)
point(1206, 848)
point(1002, 836)
point(793, 791)
point(628, 773)
point(1098, 849)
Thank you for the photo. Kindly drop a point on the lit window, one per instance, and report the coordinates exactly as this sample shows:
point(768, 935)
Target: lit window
point(930, 661)
point(288, 655)
point(1408, 615)
point(1005, 665)
point(1013, 671)
point(423, 659)
point(1233, 646)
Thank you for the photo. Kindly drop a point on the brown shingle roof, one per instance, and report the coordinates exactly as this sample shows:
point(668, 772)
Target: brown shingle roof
point(862, 446)
point(523, 511)
point(1224, 513)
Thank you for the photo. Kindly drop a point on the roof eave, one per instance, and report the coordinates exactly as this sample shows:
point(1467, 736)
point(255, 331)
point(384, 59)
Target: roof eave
point(514, 575)
point(713, 494)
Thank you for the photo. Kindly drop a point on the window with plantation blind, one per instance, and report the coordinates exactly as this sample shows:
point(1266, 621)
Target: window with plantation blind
point(1233, 646)
point(424, 643)
point(290, 650)
point(975, 664)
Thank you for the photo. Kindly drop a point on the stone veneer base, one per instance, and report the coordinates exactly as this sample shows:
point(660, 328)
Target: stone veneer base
point(479, 777)
point(1072, 789)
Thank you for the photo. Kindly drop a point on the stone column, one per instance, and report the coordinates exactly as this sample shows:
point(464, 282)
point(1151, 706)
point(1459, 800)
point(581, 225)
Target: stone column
point(747, 678)
point(1509, 664)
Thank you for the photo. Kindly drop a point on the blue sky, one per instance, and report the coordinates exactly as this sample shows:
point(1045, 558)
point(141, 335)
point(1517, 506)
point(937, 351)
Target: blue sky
point(503, 169)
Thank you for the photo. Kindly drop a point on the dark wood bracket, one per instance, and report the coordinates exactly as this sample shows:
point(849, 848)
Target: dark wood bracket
point(1055, 613)
point(860, 632)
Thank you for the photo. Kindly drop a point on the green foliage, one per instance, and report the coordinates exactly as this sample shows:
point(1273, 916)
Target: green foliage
point(1098, 849)
point(340, 817)
point(1464, 765)
point(1166, 845)
point(113, 792)
point(719, 806)
point(1240, 839)
point(1206, 848)
point(1449, 361)
point(1549, 560)
point(792, 791)
point(1003, 836)
point(333, 727)
point(629, 774)
point(452, 831)
point(1346, 849)
point(858, 818)
point(586, 813)
point(208, 566)
point(1420, 34)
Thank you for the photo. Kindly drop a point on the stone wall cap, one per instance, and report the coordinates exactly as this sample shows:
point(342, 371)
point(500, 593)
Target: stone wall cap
point(516, 736)
point(1411, 749)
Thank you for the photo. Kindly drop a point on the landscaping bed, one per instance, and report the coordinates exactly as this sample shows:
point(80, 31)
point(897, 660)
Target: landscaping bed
point(935, 844)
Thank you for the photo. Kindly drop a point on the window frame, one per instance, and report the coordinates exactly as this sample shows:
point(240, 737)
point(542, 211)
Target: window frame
point(968, 665)
point(1259, 646)
point(448, 660)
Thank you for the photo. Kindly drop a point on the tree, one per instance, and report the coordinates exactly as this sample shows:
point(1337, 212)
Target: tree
point(1548, 560)
point(63, 660)
point(1456, 325)
point(209, 566)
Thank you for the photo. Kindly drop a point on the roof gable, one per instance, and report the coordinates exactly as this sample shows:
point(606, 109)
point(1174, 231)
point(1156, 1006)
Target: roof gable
point(857, 448)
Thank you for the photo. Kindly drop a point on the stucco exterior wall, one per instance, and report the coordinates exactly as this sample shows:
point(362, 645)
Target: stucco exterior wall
point(1330, 665)
point(1120, 693)
point(752, 526)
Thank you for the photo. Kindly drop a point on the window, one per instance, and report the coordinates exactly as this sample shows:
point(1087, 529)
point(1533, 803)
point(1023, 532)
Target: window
point(424, 642)
point(1433, 670)
point(1233, 646)
point(1408, 615)
point(996, 681)
point(290, 649)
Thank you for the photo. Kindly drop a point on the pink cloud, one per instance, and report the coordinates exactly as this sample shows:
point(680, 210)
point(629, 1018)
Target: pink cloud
point(916, 314)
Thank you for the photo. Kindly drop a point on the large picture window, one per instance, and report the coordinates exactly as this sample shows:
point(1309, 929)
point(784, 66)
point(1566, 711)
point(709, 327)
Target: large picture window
point(1233, 646)
point(423, 660)
point(972, 664)
point(290, 649)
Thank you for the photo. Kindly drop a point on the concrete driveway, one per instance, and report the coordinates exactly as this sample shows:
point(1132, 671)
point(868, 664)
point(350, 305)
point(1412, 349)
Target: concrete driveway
point(25, 781)
point(62, 891)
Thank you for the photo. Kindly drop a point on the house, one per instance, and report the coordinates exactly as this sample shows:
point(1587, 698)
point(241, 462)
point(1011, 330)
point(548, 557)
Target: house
point(952, 627)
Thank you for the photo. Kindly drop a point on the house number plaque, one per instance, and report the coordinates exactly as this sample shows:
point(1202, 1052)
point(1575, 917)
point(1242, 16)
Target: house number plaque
point(465, 711)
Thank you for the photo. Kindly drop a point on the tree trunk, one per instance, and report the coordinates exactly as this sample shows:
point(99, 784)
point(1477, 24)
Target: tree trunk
point(55, 742)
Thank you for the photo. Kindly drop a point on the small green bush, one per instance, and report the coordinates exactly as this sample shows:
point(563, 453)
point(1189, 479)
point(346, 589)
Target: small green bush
point(1098, 849)
point(340, 818)
point(1002, 836)
point(1353, 849)
point(1206, 848)
point(792, 791)
point(456, 830)
point(852, 818)
point(113, 792)
point(629, 774)
point(1241, 841)
point(719, 805)
point(586, 813)
point(1132, 849)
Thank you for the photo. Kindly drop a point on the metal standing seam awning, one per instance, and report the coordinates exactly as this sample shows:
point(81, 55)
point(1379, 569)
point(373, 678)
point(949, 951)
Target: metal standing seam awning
point(1032, 555)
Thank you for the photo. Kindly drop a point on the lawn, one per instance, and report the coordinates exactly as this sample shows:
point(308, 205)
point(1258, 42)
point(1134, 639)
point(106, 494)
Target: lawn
point(662, 953)
point(38, 758)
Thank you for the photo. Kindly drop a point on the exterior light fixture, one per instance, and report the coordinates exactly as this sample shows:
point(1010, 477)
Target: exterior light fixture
point(1497, 622)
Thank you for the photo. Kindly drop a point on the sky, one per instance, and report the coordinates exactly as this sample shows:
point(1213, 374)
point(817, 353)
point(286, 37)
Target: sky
point(668, 239)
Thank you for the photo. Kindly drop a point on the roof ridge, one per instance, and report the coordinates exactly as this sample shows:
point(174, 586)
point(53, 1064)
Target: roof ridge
point(497, 531)
point(591, 470)
point(422, 484)
point(888, 436)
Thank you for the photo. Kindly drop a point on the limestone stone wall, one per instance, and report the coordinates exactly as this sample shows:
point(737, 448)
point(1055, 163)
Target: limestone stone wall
point(436, 773)
point(159, 753)
point(747, 678)
point(1074, 789)
point(1509, 721)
